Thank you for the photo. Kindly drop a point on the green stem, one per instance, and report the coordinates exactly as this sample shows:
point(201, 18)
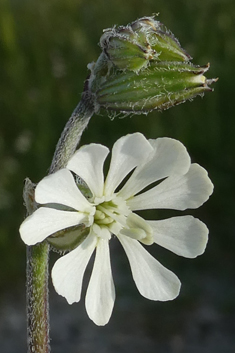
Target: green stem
point(37, 298)
point(72, 133)
point(38, 255)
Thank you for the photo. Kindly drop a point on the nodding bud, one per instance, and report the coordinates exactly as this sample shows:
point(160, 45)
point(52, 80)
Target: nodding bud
point(142, 67)
point(161, 86)
point(133, 46)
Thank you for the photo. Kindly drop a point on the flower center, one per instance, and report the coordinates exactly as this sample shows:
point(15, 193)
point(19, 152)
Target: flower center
point(110, 216)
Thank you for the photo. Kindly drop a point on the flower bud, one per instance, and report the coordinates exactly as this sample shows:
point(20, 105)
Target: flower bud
point(161, 40)
point(142, 67)
point(160, 86)
point(133, 46)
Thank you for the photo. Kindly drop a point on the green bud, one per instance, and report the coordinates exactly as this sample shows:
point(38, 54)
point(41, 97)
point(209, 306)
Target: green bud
point(161, 40)
point(161, 86)
point(134, 46)
point(124, 49)
point(142, 67)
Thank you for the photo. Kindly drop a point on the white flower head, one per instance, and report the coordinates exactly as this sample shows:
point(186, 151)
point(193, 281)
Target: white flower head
point(108, 209)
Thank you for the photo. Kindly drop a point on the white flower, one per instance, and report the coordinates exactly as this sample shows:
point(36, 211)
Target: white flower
point(109, 211)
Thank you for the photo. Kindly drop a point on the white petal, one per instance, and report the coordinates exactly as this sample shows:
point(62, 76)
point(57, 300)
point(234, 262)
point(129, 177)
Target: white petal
point(88, 163)
point(46, 221)
point(67, 273)
point(185, 236)
point(61, 188)
point(152, 279)
point(169, 157)
point(176, 192)
point(127, 153)
point(101, 231)
point(100, 294)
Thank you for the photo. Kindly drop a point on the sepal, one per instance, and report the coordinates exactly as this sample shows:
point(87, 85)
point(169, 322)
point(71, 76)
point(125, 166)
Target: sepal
point(68, 239)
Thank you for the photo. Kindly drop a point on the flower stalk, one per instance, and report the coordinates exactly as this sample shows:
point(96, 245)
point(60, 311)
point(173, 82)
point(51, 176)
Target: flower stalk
point(38, 255)
point(72, 132)
point(37, 298)
point(36, 285)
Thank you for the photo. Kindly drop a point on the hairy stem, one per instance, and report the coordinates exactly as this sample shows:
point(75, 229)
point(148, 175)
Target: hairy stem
point(37, 298)
point(72, 133)
point(38, 255)
point(36, 286)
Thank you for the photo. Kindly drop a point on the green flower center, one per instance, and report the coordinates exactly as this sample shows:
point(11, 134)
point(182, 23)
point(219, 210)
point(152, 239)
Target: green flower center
point(110, 216)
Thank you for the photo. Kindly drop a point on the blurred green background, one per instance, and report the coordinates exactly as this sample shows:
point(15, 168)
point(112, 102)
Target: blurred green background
point(45, 47)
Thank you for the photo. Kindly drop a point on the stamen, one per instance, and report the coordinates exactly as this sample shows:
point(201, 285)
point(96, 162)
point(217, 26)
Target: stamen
point(116, 217)
point(99, 215)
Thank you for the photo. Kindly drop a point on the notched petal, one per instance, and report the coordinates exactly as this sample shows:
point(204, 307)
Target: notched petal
point(127, 153)
point(67, 273)
point(88, 164)
point(100, 294)
point(169, 157)
point(61, 188)
point(152, 279)
point(177, 192)
point(185, 236)
point(46, 221)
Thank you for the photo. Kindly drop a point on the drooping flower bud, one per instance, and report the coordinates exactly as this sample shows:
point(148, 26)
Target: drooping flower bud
point(142, 67)
point(161, 40)
point(133, 46)
point(161, 86)
point(125, 50)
